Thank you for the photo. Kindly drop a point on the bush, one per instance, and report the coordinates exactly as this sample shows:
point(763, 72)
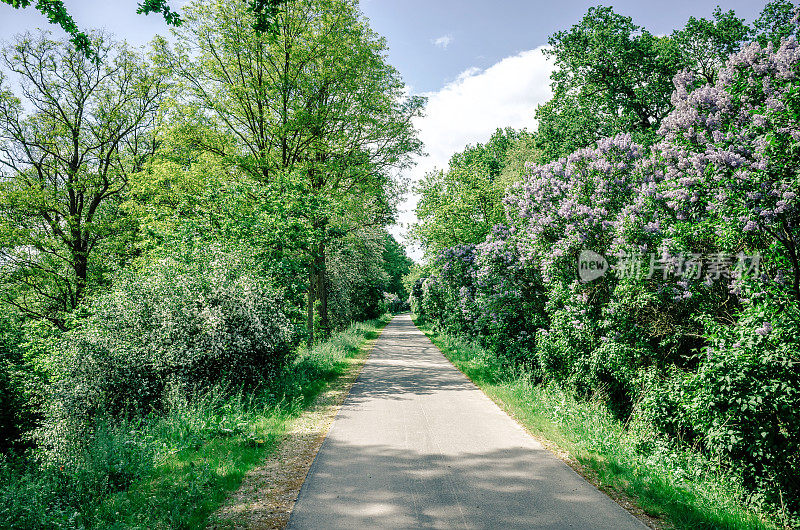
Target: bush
point(743, 402)
point(160, 336)
point(24, 353)
point(509, 300)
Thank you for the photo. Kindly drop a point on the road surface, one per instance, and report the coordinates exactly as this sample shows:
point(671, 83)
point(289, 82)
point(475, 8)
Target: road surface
point(417, 445)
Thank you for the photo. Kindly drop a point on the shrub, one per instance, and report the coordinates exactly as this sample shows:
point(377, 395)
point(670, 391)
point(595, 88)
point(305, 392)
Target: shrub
point(161, 335)
point(509, 299)
point(743, 402)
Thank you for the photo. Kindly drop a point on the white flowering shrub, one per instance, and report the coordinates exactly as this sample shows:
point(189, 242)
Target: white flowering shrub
point(163, 334)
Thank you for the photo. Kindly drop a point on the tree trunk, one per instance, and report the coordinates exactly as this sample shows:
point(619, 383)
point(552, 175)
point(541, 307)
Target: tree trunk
point(311, 299)
point(80, 266)
point(322, 290)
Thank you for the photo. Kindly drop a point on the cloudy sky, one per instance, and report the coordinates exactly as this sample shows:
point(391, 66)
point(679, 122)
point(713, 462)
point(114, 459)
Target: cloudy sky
point(479, 62)
point(481, 65)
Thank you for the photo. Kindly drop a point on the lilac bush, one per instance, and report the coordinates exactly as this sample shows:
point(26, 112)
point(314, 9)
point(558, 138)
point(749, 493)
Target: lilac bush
point(576, 203)
point(731, 153)
point(572, 204)
point(448, 295)
point(509, 298)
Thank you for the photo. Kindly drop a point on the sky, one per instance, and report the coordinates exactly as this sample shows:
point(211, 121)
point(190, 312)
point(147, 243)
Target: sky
point(479, 62)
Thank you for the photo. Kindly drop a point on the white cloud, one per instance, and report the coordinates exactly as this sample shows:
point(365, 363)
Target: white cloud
point(469, 109)
point(443, 41)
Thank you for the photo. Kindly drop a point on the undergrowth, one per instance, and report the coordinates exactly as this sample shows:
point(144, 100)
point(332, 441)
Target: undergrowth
point(173, 470)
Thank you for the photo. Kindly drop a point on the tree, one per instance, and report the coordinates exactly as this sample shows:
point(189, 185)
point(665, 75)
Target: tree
point(777, 21)
point(397, 265)
point(66, 154)
point(311, 111)
point(265, 12)
point(462, 204)
point(706, 44)
point(520, 154)
point(611, 77)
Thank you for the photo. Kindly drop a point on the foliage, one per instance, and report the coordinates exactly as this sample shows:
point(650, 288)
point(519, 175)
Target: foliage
point(729, 153)
point(741, 404)
point(777, 21)
point(56, 13)
point(611, 77)
point(67, 152)
point(172, 470)
point(297, 126)
point(12, 402)
point(706, 44)
point(265, 12)
point(355, 270)
point(166, 332)
point(170, 233)
point(397, 265)
point(462, 204)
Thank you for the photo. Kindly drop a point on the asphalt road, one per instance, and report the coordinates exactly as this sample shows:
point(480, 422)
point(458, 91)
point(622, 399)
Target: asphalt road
point(417, 445)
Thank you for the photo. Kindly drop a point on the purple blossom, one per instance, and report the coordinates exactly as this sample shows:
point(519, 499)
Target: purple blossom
point(765, 329)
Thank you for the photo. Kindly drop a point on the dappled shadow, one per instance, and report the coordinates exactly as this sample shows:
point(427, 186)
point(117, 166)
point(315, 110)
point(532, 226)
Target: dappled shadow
point(416, 445)
point(384, 487)
point(403, 364)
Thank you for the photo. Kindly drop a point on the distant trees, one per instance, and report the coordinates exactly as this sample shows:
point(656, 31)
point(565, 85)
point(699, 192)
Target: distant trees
point(461, 204)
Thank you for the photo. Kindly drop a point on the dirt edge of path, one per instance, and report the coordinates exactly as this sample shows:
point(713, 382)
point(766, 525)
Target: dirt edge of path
point(268, 492)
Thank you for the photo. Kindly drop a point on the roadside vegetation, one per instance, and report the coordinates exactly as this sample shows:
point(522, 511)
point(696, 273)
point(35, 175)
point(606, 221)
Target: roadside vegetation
point(173, 470)
point(188, 236)
point(641, 266)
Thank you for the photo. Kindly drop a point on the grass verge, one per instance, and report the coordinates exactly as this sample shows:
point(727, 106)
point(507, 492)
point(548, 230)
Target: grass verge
point(666, 486)
point(186, 462)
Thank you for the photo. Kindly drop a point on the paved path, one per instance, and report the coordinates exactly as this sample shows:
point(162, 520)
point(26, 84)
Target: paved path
point(417, 445)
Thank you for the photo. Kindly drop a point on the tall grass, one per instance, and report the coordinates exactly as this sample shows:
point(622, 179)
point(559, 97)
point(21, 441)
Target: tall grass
point(677, 486)
point(173, 470)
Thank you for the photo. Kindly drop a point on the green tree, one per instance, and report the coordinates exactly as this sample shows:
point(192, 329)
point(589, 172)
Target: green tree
point(519, 154)
point(66, 151)
point(462, 204)
point(777, 21)
point(265, 12)
point(312, 112)
point(706, 44)
point(611, 76)
point(397, 265)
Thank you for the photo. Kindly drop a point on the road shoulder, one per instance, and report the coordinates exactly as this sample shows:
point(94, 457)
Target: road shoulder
point(268, 492)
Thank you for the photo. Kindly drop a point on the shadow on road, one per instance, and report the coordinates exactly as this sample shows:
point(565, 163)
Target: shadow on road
point(417, 445)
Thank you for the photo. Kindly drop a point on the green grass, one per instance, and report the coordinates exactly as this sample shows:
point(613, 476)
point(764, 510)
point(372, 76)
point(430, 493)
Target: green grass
point(184, 464)
point(675, 485)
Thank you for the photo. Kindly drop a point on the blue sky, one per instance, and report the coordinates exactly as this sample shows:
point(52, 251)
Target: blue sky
point(480, 63)
point(482, 32)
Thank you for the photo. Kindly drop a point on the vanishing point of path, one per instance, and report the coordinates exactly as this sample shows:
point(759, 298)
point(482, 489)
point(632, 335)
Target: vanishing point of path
point(417, 445)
